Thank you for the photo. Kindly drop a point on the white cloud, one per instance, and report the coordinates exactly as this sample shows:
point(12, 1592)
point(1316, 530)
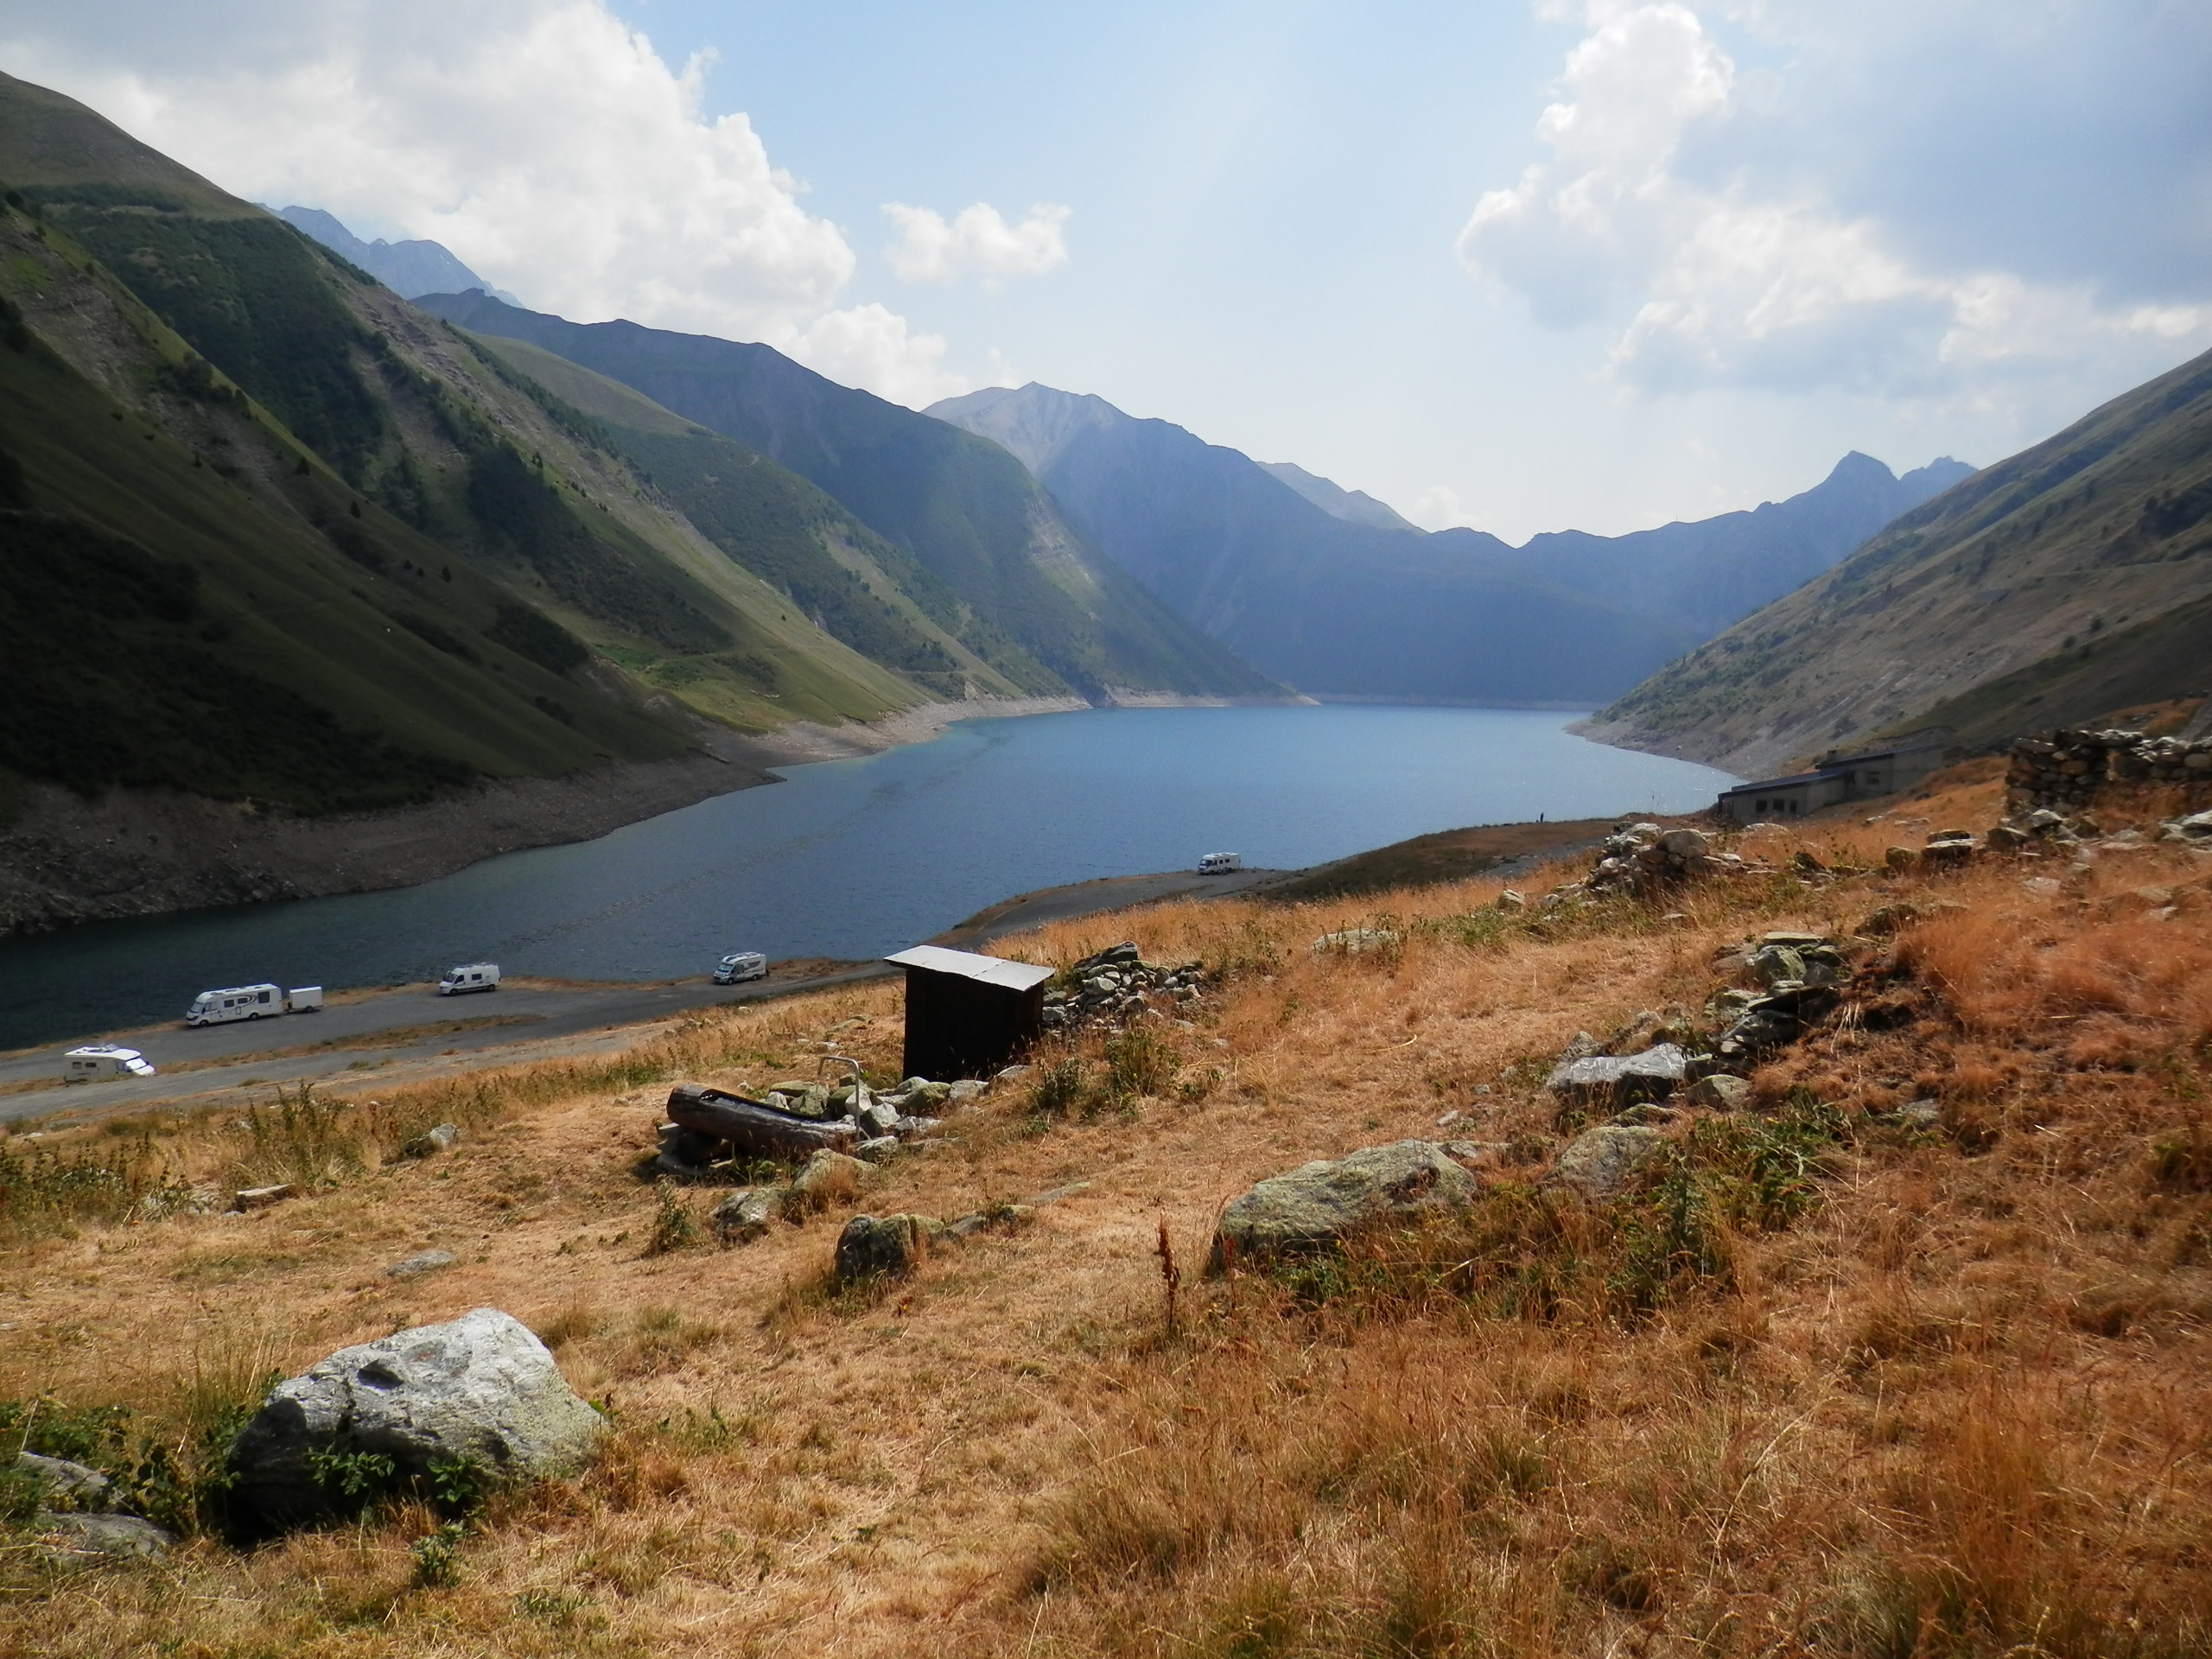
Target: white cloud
point(869, 346)
point(1438, 507)
point(544, 142)
point(1680, 202)
point(977, 240)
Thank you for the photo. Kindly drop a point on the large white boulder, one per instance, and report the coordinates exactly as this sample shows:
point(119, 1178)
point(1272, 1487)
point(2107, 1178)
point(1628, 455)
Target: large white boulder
point(481, 1389)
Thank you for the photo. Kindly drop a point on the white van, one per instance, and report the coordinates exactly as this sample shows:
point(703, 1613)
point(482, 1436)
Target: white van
point(96, 1061)
point(741, 965)
point(1220, 863)
point(239, 1002)
point(470, 977)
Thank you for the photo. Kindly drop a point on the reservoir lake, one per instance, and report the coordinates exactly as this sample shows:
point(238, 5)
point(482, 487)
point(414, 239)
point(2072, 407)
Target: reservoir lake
point(858, 858)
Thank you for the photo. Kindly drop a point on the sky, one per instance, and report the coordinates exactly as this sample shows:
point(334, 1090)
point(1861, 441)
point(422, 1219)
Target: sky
point(1587, 263)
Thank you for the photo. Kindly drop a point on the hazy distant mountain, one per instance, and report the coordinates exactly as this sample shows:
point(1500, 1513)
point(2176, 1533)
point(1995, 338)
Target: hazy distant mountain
point(408, 268)
point(1709, 572)
point(1356, 507)
point(1338, 600)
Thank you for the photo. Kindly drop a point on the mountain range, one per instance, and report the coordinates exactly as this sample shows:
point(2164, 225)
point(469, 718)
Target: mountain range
point(271, 536)
point(963, 508)
point(2069, 582)
point(1332, 592)
point(409, 269)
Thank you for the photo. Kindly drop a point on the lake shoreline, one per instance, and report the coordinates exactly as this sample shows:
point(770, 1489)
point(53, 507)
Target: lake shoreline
point(858, 857)
point(138, 853)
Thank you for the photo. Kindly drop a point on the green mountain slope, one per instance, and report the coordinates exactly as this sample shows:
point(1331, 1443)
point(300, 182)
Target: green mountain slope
point(960, 506)
point(167, 627)
point(852, 584)
point(2069, 581)
point(415, 537)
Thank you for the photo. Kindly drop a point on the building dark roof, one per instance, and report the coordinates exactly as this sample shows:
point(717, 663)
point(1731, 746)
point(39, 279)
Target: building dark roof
point(988, 970)
point(1792, 781)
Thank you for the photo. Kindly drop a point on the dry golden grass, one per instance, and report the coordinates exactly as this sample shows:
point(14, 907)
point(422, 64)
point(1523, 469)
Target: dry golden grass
point(1960, 1408)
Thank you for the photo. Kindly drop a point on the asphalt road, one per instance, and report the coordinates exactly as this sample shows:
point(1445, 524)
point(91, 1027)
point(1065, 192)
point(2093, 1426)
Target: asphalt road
point(374, 1032)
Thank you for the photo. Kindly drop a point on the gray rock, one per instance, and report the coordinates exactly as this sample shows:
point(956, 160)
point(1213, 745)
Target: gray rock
point(669, 1164)
point(878, 1117)
point(913, 1128)
point(826, 1176)
point(1918, 1115)
point(1358, 941)
point(1013, 1074)
point(1773, 1021)
point(883, 1247)
point(1719, 1092)
point(1600, 1162)
point(744, 1215)
point(421, 1263)
point(63, 1485)
point(85, 1538)
point(877, 1148)
point(1580, 1046)
point(1686, 843)
point(962, 1092)
point(479, 1388)
point(260, 1197)
point(1313, 1207)
point(1614, 1082)
point(433, 1140)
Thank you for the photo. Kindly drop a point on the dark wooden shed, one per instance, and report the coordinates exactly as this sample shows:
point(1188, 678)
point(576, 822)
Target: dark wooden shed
point(968, 1015)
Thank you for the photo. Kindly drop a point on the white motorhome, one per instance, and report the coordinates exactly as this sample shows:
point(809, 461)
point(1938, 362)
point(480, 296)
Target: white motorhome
point(1220, 863)
point(96, 1061)
point(251, 1002)
point(741, 965)
point(470, 977)
point(238, 1002)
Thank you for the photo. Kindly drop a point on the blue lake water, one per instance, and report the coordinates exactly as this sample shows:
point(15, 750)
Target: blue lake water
point(858, 858)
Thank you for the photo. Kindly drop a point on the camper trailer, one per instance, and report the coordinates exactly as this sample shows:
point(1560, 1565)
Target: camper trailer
point(470, 977)
point(251, 1002)
point(1220, 863)
point(238, 1002)
point(97, 1062)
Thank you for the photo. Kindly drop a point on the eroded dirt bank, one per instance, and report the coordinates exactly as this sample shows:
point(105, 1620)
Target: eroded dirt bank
point(65, 860)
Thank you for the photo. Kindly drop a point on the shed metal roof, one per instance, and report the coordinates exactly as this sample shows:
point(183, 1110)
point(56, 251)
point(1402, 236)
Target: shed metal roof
point(988, 971)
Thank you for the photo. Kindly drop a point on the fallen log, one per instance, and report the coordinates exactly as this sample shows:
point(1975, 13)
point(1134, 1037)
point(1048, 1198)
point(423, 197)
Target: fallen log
point(754, 1129)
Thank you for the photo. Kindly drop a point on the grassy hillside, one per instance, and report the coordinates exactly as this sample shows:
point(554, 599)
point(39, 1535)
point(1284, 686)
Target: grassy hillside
point(2064, 582)
point(577, 609)
point(855, 586)
point(168, 626)
point(960, 507)
point(1829, 1379)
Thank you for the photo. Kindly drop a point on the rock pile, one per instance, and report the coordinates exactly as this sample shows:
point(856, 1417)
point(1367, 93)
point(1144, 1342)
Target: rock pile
point(1117, 985)
point(2195, 830)
point(1642, 858)
point(1658, 1056)
point(795, 1116)
point(2067, 769)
